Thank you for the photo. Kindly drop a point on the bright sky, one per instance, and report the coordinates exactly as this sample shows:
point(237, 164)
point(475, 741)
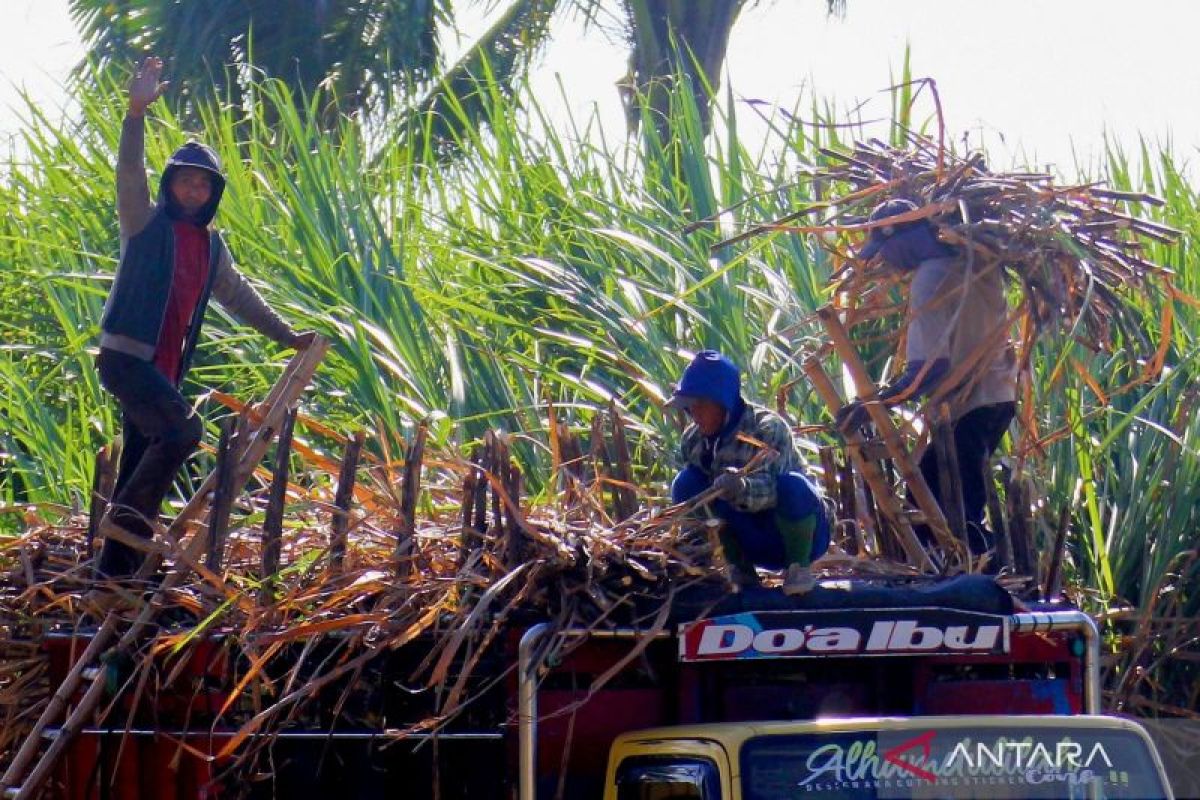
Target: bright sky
point(1041, 81)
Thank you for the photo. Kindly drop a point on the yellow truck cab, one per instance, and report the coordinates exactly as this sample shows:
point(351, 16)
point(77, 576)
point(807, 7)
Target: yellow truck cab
point(1085, 756)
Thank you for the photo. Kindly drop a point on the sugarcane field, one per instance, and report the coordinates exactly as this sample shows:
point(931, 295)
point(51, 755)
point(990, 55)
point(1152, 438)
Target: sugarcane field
point(371, 429)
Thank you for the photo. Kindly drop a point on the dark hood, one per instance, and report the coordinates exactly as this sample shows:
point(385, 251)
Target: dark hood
point(193, 154)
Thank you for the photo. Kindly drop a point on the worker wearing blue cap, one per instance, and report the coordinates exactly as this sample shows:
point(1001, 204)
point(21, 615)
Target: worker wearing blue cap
point(772, 514)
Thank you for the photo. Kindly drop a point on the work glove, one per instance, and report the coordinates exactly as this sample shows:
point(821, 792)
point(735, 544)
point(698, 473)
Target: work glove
point(851, 416)
point(730, 484)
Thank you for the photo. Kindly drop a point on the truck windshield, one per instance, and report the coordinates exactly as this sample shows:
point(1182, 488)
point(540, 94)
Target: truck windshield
point(957, 762)
point(660, 778)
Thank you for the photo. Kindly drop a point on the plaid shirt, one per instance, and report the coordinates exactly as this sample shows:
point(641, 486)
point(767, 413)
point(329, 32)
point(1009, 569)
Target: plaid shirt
point(758, 428)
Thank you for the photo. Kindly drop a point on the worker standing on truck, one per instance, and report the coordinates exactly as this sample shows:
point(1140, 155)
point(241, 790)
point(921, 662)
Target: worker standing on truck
point(772, 514)
point(171, 262)
point(958, 329)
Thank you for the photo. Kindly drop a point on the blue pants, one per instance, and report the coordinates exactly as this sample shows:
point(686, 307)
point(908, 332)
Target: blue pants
point(757, 532)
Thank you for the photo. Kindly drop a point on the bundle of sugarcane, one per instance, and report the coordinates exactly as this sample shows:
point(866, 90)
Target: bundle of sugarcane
point(1083, 261)
point(1078, 251)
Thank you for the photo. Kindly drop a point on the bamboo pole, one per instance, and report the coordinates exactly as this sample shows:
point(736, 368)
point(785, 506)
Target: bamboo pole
point(276, 501)
point(884, 496)
point(222, 501)
point(410, 492)
point(342, 500)
point(887, 429)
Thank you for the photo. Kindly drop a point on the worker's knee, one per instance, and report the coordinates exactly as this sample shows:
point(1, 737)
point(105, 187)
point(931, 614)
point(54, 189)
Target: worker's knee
point(182, 439)
point(797, 497)
point(690, 482)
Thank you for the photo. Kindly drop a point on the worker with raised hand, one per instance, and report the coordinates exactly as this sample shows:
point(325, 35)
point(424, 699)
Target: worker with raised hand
point(771, 512)
point(957, 330)
point(172, 261)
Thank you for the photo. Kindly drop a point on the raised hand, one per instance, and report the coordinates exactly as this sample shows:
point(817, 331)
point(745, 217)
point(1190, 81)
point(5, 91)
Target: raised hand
point(146, 85)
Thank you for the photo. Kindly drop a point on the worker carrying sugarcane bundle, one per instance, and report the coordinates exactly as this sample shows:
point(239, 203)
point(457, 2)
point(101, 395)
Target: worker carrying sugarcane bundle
point(771, 513)
point(956, 350)
point(172, 261)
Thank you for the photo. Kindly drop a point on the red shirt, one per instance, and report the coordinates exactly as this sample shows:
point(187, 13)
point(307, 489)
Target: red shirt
point(191, 273)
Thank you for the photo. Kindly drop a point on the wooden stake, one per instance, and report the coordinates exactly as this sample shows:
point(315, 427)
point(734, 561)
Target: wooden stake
point(514, 536)
point(479, 503)
point(102, 481)
point(573, 474)
point(887, 430)
point(888, 504)
point(949, 483)
point(222, 502)
point(1018, 509)
point(410, 492)
point(470, 485)
point(342, 500)
point(1004, 548)
point(830, 485)
point(829, 477)
point(602, 464)
point(276, 501)
point(497, 442)
point(626, 500)
point(849, 494)
point(1054, 573)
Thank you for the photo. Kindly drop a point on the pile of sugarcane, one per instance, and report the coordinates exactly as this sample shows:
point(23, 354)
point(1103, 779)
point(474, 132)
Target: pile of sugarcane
point(363, 569)
point(1078, 251)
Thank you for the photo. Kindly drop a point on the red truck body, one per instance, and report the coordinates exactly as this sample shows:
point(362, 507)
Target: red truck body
point(547, 727)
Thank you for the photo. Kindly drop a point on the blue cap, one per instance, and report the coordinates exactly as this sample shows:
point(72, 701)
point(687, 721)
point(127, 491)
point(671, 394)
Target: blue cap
point(710, 376)
point(880, 235)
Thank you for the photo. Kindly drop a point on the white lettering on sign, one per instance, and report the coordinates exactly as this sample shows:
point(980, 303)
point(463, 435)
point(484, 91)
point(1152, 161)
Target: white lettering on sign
point(1022, 756)
point(1035, 762)
point(780, 640)
point(834, 640)
point(725, 640)
point(898, 636)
